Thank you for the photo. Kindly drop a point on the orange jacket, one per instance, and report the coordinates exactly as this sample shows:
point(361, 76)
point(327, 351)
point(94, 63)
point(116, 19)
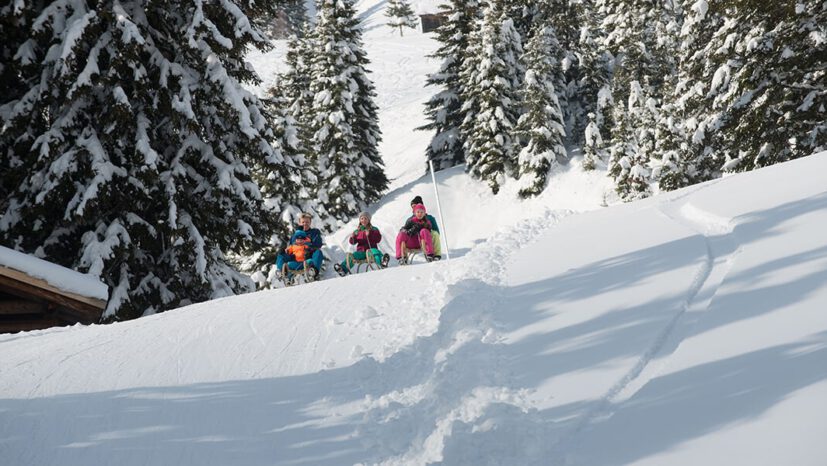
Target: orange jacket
point(299, 251)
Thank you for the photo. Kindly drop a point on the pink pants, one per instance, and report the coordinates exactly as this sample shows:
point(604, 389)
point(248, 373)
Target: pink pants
point(414, 242)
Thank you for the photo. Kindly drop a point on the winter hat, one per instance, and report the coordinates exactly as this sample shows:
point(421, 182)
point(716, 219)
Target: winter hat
point(416, 200)
point(419, 206)
point(364, 214)
point(300, 235)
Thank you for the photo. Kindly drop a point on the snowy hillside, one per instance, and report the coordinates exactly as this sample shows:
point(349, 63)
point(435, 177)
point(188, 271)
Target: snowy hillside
point(686, 329)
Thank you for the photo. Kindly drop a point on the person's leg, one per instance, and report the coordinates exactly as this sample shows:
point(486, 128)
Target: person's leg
point(402, 237)
point(356, 256)
point(316, 260)
point(437, 243)
point(425, 239)
point(281, 258)
point(345, 265)
point(377, 255)
point(413, 242)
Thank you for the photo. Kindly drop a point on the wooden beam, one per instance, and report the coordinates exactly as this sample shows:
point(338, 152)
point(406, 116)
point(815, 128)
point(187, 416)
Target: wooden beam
point(22, 306)
point(20, 284)
point(26, 325)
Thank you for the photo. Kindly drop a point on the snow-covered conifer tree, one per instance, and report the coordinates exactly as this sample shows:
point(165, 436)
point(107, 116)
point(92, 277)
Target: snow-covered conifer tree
point(400, 15)
point(344, 119)
point(292, 93)
point(773, 109)
point(444, 109)
point(492, 100)
point(593, 88)
point(540, 127)
point(594, 149)
point(642, 65)
point(139, 141)
point(634, 144)
point(564, 17)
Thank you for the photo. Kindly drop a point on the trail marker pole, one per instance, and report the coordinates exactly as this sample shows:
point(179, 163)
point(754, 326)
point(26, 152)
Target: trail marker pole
point(443, 236)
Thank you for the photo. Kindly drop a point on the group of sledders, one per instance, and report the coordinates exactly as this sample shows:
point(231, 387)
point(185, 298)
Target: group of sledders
point(304, 256)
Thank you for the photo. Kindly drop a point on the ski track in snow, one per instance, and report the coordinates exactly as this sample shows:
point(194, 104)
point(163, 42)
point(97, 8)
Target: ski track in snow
point(721, 251)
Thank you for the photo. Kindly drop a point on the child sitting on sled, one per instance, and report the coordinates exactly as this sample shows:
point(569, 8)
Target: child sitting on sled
point(299, 252)
point(366, 237)
point(415, 234)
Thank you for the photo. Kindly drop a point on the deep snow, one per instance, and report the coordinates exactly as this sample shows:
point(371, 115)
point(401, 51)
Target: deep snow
point(689, 328)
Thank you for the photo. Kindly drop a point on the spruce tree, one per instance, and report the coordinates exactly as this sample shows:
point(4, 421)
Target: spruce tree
point(400, 15)
point(444, 109)
point(594, 149)
point(634, 143)
point(778, 93)
point(136, 140)
point(563, 16)
point(593, 87)
point(343, 118)
point(540, 127)
point(685, 152)
point(292, 92)
point(642, 63)
point(492, 100)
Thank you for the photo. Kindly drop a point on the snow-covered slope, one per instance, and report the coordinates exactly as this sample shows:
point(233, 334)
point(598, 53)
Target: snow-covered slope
point(685, 329)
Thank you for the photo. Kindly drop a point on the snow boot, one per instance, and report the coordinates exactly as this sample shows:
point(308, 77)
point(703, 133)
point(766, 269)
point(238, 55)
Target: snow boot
point(385, 259)
point(338, 268)
point(310, 274)
point(430, 258)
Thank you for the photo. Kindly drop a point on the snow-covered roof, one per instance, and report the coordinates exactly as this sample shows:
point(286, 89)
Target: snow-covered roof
point(55, 275)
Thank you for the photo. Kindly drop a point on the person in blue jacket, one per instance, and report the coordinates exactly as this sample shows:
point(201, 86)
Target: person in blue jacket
point(434, 228)
point(314, 237)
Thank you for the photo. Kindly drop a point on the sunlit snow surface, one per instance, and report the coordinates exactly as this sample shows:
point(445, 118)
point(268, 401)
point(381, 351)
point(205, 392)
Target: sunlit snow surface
point(686, 329)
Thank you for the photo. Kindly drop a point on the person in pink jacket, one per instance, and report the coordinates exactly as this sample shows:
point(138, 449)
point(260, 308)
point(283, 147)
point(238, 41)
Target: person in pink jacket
point(416, 234)
point(366, 237)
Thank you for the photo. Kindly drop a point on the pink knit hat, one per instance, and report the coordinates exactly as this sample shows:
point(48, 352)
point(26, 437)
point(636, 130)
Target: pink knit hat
point(419, 206)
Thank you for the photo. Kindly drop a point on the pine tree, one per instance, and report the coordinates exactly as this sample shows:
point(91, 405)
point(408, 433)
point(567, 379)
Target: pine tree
point(774, 110)
point(292, 93)
point(593, 87)
point(492, 86)
point(344, 123)
point(564, 17)
point(444, 109)
point(594, 149)
point(642, 64)
point(400, 15)
point(635, 142)
point(140, 138)
point(19, 50)
point(685, 154)
point(541, 124)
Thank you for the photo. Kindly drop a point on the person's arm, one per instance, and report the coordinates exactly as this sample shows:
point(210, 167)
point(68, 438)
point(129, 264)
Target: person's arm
point(374, 237)
point(316, 238)
point(434, 225)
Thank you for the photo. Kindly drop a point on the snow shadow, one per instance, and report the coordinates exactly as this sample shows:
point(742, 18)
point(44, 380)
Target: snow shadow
point(691, 403)
point(252, 422)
